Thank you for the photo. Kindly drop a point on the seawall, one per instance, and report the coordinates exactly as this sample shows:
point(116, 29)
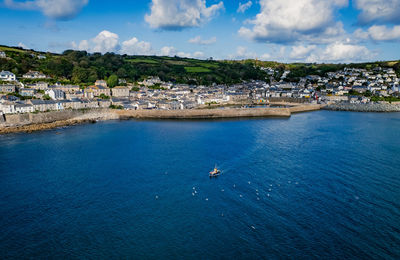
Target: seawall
point(47, 120)
point(42, 121)
point(204, 113)
point(370, 107)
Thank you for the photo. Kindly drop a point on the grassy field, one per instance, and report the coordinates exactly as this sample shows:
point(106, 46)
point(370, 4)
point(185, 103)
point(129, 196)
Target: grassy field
point(149, 61)
point(178, 62)
point(392, 63)
point(2, 48)
point(197, 70)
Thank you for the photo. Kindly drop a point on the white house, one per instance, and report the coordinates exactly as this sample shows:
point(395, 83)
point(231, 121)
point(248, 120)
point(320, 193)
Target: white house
point(7, 76)
point(34, 75)
point(55, 94)
point(3, 54)
point(23, 108)
point(7, 107)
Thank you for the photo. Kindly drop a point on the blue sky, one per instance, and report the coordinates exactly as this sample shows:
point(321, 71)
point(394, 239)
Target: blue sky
point(282, 30)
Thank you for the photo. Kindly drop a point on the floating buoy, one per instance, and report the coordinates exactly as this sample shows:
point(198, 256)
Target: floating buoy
point(268, 194)
point(192, 194)
point(258, 198)
point(222, 190)
point(249, 182)
point(156, 197)
point(241, 195)
point(234, 185)
point(253, 227)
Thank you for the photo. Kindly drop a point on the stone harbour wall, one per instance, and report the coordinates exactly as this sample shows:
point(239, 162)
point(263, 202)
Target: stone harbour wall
point(370, 107)
point(48, 120)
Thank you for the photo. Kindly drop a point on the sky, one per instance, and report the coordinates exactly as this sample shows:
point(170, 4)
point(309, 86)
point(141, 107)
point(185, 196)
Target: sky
point(329, 31)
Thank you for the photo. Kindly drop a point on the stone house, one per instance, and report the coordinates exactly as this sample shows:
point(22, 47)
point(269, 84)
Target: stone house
point(7, 88)
point(96, 90)
point(27, 92)
point(23, 108)
point(120, 91)
point(34, 75)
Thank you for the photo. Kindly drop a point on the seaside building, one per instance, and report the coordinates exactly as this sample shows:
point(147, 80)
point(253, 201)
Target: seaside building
point(23, 108)
point(96, 90)
point(102, 83)
point(7, 76)
point(34, 75)
point(39, 85)
point(8, 88)
point(56, 94)
point(3, 54)
point(120, 91)
point(27, 92)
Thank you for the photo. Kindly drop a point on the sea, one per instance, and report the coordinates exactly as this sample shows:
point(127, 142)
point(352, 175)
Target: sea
point(318, 185)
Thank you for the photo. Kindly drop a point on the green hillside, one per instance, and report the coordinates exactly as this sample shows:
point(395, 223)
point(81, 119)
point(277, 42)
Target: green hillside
point(80, 67)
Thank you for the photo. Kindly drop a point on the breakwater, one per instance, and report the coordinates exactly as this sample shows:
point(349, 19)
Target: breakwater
point(205, 113)
point(370, 107)
point(42, 121)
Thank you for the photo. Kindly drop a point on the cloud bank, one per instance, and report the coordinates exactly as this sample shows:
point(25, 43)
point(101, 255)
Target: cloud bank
point(180, 14)
point(107, 41)
point(294, 20)
point(55, 9)
point(198, 40)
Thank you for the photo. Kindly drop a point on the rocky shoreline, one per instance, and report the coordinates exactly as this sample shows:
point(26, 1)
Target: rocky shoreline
point(43, 126)
point(370, 107)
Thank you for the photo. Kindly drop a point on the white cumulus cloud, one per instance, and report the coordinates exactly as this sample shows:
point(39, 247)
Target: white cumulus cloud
point(22, 45)
point(56, 9)
point(180, 14)
point(301, 52)
point(243, 7)
point(105, 41)
point(168, 51)
point(294, 20)
point(380, 11)
point(243, 53)
point(136, 47)
point(341, 52)
point(172, 51)
point(199, 40)
point(379, 33)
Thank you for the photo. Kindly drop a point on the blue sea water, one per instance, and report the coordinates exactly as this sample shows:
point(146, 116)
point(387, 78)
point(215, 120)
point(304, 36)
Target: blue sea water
point(318, 185)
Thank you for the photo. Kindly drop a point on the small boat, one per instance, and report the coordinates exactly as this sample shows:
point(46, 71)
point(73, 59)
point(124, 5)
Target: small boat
point(215, 172)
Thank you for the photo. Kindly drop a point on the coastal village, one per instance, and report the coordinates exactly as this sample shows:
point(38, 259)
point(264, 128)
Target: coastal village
point(355, 86)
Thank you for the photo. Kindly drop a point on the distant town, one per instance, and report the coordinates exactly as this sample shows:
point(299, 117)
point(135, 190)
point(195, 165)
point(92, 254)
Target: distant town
point(351, 85)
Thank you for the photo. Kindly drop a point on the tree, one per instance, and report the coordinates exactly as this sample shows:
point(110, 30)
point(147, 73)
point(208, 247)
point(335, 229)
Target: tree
point(112, 81)
point(79, 75)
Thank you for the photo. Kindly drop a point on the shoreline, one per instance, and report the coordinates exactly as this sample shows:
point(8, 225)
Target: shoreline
point(28, 123)
point(375, 107)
